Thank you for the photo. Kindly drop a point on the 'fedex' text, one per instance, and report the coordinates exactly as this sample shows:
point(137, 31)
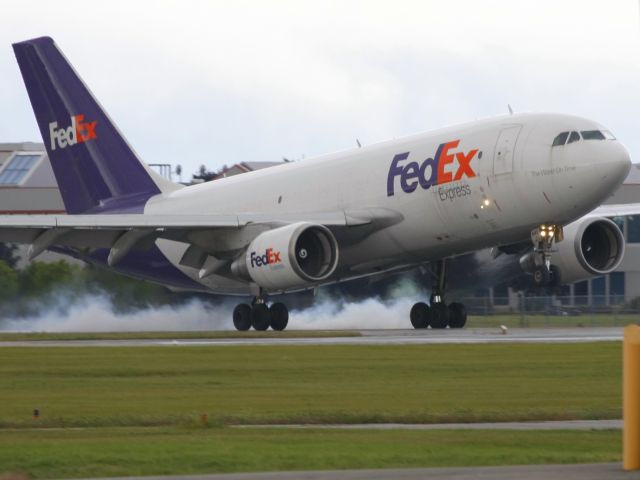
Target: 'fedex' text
point(446, 166)
point(270, 257)
point(79, 131)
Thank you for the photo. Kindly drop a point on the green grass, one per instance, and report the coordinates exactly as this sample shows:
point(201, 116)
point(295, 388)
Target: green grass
point(174, 385)
point(139, 409)
point(196, 335)
point(160, 451)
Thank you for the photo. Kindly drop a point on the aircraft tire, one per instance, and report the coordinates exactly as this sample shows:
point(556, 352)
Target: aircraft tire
point(242, 317)
point(541, 276)
point(439, 315)
point(420, 315)
point(260, 317)
point(457, 315)
point(279, 316)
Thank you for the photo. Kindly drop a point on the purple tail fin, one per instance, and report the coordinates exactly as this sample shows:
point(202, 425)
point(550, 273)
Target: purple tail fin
point(96, 169)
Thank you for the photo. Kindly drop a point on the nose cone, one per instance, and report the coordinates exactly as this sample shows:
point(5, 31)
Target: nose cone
point(605, 166)
point(619, 161)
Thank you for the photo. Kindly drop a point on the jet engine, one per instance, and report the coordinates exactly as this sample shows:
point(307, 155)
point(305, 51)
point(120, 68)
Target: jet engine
point(591, 247)
point(289, 258)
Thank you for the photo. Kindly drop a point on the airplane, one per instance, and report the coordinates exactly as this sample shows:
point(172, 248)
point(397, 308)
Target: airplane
point(415, 201)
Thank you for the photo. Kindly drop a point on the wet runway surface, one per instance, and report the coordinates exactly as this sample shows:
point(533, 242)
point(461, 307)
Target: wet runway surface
point(369, 337)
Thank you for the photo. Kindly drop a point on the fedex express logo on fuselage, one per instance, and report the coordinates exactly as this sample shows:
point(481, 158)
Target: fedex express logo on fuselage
point(270, 257)
point(79, 132)
point(446, 166)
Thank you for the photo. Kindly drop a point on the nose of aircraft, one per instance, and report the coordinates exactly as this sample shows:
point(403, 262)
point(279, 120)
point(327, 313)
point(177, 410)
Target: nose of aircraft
point(618, 161)
point(605, 165)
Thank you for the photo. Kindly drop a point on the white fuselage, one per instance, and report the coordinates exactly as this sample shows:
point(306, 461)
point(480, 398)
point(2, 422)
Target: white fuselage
point(499, 181)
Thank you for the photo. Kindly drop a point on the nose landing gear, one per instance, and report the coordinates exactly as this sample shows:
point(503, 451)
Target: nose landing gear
point(259, 316)
point(543, 238)
point(438, 314)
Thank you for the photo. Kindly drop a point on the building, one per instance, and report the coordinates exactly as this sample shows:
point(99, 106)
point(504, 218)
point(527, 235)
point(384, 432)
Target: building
point(27, 183)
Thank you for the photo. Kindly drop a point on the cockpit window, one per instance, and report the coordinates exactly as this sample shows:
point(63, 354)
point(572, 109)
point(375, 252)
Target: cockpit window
point(592, 135)
point(560, 139)
point(608, 135)
point(574, 137)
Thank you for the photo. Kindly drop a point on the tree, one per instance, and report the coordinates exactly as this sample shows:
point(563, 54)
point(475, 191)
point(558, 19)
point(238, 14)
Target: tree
point(8, 254)
point(9, 284)
point(42, 277)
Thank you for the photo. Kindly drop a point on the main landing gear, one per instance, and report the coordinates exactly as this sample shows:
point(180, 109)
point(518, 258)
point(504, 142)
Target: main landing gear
point(438, 314)
point(259, 316)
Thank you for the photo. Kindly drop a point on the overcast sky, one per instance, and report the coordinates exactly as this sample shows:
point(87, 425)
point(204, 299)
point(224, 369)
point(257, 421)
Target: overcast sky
point(217, 83)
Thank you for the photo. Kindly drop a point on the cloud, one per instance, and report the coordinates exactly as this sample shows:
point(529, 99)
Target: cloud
point(221, 82)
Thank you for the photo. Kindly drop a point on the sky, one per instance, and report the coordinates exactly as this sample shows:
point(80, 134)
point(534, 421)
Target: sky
point(214, 83)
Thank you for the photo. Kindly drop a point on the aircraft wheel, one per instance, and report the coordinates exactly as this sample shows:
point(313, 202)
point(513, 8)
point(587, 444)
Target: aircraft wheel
point(242, 317)
point(439, 315)
point(260, 317)
point(420, 315)
point(457, 315)
point(541, 276)
point(279, 316)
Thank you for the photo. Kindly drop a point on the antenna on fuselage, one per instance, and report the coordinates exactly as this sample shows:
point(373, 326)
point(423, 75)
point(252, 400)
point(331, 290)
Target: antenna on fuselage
point(358, 142)
point(510, 109)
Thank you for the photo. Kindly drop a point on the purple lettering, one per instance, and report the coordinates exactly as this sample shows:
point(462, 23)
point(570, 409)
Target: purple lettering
point(409, 172)
point(394, 171)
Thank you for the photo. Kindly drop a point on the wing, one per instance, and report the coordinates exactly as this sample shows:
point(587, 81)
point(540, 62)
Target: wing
point(616, 210)
point(219, 236)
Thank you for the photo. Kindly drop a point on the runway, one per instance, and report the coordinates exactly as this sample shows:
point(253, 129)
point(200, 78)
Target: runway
point(594, 471)
point(544, 425)
point(367, 337)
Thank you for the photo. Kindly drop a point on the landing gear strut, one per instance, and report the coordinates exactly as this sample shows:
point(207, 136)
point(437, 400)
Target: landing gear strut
point(438, 314)
point(259, 316)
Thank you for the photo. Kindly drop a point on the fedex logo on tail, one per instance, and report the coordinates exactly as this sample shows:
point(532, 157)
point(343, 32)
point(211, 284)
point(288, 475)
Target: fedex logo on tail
point(270, 257)
point(446, 166)
point(79, 132)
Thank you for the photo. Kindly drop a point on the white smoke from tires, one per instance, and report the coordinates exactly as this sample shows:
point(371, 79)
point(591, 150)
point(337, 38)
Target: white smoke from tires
point(95, 313)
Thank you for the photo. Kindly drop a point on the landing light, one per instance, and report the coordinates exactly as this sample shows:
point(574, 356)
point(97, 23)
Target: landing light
point(486, 202)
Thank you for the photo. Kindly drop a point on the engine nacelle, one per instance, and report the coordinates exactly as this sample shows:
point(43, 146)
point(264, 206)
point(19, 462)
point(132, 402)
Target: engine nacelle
point(591, 247)
point(289, 258)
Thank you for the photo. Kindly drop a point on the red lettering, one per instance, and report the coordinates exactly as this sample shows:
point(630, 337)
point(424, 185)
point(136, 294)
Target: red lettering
point(445, 159)
point(465, 167)
point(82, 126)
point(272, 257)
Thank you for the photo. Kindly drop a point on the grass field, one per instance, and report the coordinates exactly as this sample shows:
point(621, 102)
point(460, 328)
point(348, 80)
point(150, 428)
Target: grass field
point(309, 384)
point(159, 451)
point(139, 409)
